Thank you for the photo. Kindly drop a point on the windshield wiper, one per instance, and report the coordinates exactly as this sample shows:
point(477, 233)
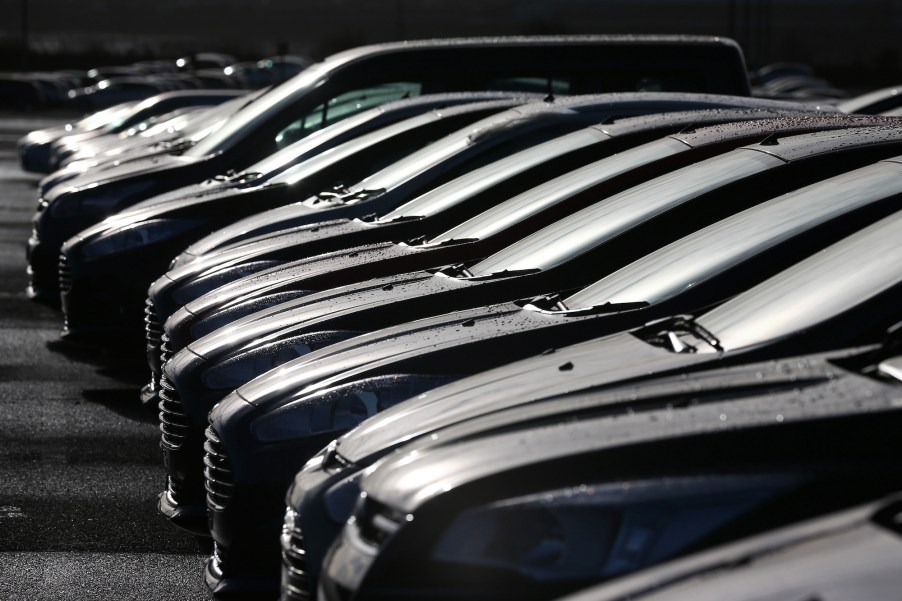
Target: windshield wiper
point(342, 195)
point(174, 146)
point(671, 333)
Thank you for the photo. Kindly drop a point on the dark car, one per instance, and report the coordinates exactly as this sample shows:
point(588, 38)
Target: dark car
point(107, 92)
point(853, 554)
point(34, 149)
point(598, 239)
point(183, 135)
point(409, 359)
point(107, 268)
point(280, 279)
point(186, 284)
point(652, 472)
point(301, 105)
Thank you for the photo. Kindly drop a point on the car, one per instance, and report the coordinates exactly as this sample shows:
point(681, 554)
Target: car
point(181, 136)
point(407, 360)
point(301, 105)
point(107, 268)
point(108, 92)
point(873, 103)
point(187, 283)
point(35, 149)
point(281, 281)
point(588, 243)
point(487, 511)
point(852, 553)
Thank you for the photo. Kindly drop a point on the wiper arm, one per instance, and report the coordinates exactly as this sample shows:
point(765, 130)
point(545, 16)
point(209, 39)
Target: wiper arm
point(666, 333)
point(341, 195)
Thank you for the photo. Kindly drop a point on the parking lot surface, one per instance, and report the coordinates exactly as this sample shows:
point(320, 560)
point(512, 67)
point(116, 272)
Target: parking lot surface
point(79, 458)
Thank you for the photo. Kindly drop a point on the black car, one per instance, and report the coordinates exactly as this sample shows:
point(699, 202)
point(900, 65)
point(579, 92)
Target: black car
point(301, 105)
point(639, 475)
point(440, 207)
point(598, 239)
point(410, 359)
point(185, 133)
point(34, 149)
point(107, 268)
point(853, 554)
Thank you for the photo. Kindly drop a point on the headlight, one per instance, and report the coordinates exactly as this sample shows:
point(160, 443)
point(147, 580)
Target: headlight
point(88, 202)
point(594, 532)
point(235, 372)
point(135, 236)
point(340, 408)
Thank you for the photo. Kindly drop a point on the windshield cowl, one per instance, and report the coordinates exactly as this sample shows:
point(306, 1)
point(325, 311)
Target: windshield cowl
point(554, 305)
point(461, 272)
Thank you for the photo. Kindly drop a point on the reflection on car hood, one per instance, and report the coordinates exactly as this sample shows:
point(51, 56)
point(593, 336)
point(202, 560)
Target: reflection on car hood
point(296, 272)
point(718, 401)
point(589, 365)
point(301, 313)
point(145, 166)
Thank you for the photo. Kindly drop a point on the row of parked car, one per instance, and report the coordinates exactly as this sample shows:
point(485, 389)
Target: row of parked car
point(102, 87)
point(505, 319)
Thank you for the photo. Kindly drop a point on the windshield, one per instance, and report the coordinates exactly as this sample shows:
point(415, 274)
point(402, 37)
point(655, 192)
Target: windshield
point(342, 106)
point(470, 184)
point(812, 291)
point(278, 161)
point(605, 220)
point(689, 262)
point(253, 116)
point(440, 150)
point(537, 199)
point(107, 117)
point(298, 172)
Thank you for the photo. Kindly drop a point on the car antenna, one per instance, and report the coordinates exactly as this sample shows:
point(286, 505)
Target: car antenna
point(770, 140)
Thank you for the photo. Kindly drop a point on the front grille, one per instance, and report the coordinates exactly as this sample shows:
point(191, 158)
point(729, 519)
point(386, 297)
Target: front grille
point(152, 327)
point(217, 472)
point(65, 275)
point(296, 584)
point(173, 420)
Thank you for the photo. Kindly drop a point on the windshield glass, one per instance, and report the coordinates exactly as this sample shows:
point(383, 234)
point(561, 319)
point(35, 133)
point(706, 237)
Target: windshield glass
point(812, 291)
point(254, 115)
point(397, 173)
point(342, 106)
point(607, 219)
point(690, 261)
point(107, 117)
point(470, 184)
point(278, 161)
point(298, 172)
point(537, 199)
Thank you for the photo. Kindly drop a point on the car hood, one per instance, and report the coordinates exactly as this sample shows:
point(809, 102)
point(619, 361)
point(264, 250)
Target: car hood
point(730, 400)
point(297, 272)
point(319, 229)
point(145, 166)
point(590, 365)
point(302, 313)
point(387, 351)
point(162, 206)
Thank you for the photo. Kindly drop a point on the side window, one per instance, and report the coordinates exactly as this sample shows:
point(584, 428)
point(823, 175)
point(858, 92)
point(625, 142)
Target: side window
point(345, 105)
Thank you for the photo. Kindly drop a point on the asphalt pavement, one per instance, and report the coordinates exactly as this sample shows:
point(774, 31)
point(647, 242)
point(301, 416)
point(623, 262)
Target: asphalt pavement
point(80, 463)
